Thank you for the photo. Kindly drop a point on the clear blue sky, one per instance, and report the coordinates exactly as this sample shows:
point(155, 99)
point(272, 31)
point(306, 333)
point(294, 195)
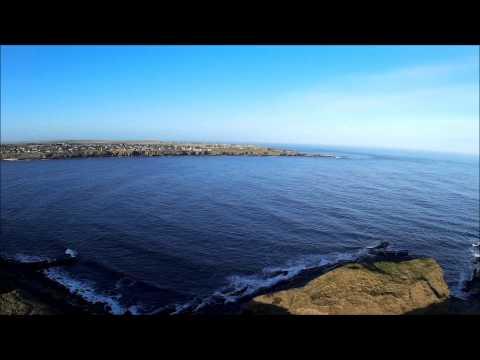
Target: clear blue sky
point(413, 97)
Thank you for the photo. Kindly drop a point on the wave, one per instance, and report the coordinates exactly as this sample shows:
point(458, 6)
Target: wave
point(24, 258)
point(476, 252)
point(87, 291)
point(113, 300)
point(241, 288)
point(228, 298)
point(71, 253)
point(465, 275)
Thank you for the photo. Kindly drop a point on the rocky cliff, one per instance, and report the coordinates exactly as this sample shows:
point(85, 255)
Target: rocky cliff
point(376, 288)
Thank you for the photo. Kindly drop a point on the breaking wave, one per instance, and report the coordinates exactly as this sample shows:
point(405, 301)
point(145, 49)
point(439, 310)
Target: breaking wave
point(24, 258)
point(83, 288)
point(238, 288)
point(476, 249)
point(241, 288)
point(465, 275)
point(87, 291)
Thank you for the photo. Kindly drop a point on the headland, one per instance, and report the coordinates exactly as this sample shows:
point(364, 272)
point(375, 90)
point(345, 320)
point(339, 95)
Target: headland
point(92, 148)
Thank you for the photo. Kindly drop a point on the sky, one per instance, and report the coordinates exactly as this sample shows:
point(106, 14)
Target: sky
point(403, 97)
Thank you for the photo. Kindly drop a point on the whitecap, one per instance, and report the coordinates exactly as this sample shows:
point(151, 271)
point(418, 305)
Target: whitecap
point(86, 290)
point(242, 287)
point(24, 258)
point(71, 253)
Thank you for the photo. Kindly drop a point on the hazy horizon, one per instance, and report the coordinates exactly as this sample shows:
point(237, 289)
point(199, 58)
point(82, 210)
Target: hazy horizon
point(419, 98)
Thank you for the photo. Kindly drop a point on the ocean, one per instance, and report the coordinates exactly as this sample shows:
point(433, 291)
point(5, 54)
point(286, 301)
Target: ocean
point(165, 234)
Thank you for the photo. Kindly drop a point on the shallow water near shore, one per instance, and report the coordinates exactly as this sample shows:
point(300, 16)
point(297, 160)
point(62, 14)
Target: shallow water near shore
point(153, 233)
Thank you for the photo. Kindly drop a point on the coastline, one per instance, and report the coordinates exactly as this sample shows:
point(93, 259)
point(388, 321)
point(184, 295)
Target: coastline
point(327, 156)
point(69, 150)
point(25, 289)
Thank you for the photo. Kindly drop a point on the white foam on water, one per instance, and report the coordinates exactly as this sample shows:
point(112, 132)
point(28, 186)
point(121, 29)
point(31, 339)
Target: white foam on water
point(466, 274)
point(476, 249)
point(23, 258)
point(87, 291)
point(82, 288)
point(458, 289)
point(242, 286)
point(135, 310)
point(179, 308)
point(71, 253)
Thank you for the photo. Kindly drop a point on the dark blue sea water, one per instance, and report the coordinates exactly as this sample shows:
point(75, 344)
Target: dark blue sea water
point(154, 232)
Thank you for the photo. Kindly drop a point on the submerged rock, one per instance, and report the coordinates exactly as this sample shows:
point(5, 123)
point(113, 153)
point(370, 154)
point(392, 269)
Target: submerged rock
point(383, 288)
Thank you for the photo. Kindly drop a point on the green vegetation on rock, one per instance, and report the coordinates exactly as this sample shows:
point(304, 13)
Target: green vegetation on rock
point(355, 289)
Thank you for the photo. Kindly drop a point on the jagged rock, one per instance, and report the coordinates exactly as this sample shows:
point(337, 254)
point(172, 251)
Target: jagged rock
point(377, 288)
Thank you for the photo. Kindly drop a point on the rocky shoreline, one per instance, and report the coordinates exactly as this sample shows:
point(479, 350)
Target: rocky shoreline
point(378, 288)
point(382, 282)
point(26, 290)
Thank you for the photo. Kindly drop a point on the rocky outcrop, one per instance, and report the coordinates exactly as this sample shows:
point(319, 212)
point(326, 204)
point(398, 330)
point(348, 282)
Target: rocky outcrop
point(382, 287)
point(18, 302)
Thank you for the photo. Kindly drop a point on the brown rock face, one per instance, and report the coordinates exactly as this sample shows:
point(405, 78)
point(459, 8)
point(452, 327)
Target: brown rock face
point(381, 288)
point(17, 302)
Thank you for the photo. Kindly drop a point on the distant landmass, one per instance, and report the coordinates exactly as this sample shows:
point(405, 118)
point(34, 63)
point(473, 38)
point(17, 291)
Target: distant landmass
point(102, 148)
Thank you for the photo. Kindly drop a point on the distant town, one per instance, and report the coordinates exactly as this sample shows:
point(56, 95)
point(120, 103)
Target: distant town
point(86, 149)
